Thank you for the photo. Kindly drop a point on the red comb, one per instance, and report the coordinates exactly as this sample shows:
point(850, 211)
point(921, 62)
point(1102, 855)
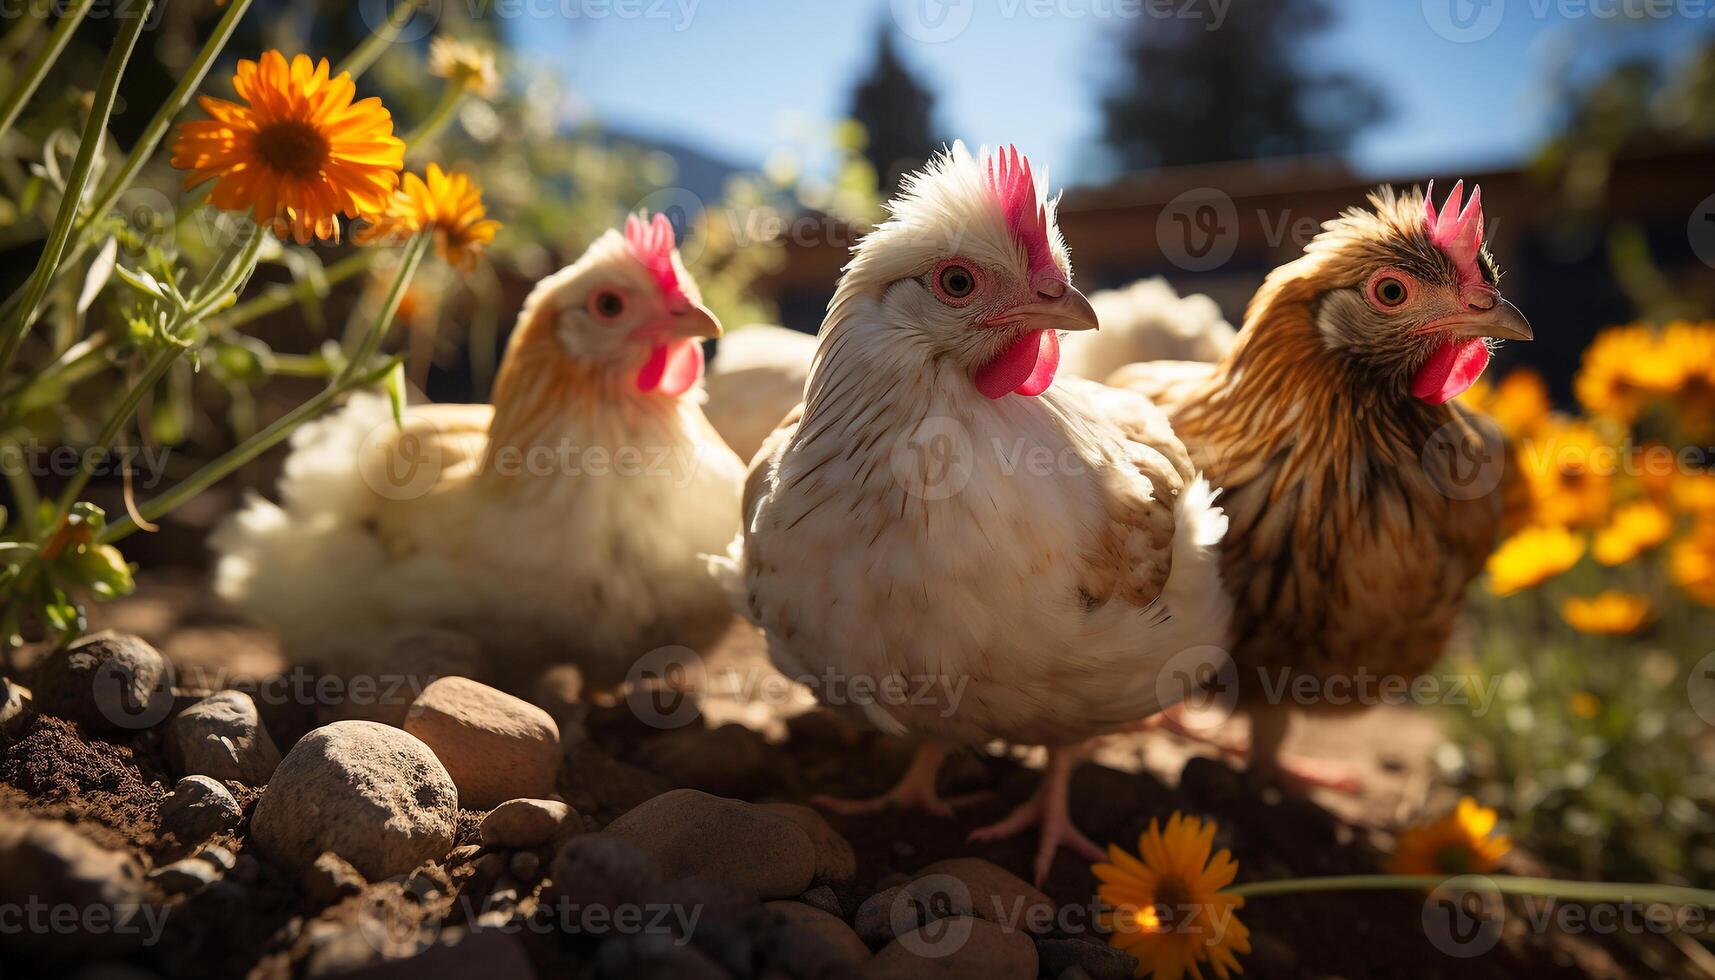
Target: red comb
point(1012, 184)
point(1456, 231)
point(652, 243)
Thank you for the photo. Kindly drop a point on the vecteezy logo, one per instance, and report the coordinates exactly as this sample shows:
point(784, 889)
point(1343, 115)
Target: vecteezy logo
point(419, 19)
point(658, 687)
point(933, 21)
point(1199, 229)
point(117, 694)
point(1464, 21)
point(932, 916)
point(1465, 458)
point(934, 460)
point(404, 463)
point(1204, 680)
point(1463, 916)
point(1701, 231)
point(683, 210)
point(1700, 688)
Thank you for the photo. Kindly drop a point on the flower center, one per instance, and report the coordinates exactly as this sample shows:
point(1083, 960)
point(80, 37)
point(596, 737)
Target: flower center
point(292, 147)
point(1453, 859)
point(1173, 909)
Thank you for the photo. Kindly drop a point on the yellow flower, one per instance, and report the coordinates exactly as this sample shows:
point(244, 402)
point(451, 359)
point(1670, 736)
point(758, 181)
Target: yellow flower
point(1569, 469)
point(1519, 404)
point(1694, 493)
point(1610, 613)
point(1623, 371)
point(1635, 529)
point(1167, 909)
point(449, 204)
point(1532, 557)
point(1692, 565)
point(1457, 844)
point(298, 152)
point(1692, 346)
point(468, 64)
point(1584, 704)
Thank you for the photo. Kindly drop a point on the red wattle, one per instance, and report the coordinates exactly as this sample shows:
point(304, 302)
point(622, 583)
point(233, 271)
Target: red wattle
point(672, 368)
point(1026, 366)
point(1454, 366)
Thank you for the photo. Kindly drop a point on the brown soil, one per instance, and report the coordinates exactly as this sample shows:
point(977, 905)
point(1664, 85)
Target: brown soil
point(260, 921)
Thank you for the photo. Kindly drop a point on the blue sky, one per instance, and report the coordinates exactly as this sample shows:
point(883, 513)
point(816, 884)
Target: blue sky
point(739, 79)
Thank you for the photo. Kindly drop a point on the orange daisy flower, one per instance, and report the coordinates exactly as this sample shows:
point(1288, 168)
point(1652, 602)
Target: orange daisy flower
point(298, 153)
point(1610, 613)
point(1166, 906)
point(448, 203)
point(1460, 843)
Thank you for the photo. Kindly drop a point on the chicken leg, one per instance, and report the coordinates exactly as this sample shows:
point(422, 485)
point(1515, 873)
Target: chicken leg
point(1050, 810)
point(914, 791)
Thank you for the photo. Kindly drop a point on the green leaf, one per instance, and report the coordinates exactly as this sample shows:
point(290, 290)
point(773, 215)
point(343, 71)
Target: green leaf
point(395, 385)
point(100, 270)
point(103, 570)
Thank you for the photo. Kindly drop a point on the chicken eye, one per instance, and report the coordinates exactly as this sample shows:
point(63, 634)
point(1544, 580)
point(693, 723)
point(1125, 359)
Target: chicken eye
point(607, 304)
point(1389, 291)
point(957, 281)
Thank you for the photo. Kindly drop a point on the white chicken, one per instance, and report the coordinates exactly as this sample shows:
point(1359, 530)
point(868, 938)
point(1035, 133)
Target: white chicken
point(1147, 321)
point(757, 377)
point(950, 542)
point(564, 522)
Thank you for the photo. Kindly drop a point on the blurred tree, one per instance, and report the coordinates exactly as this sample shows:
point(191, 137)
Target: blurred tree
point(1191, 94)
point(894, 109)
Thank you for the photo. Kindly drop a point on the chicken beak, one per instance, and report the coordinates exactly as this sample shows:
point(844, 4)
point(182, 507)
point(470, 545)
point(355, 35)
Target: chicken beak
point(1059, 306)
point(1502, 320)
point(690, 320)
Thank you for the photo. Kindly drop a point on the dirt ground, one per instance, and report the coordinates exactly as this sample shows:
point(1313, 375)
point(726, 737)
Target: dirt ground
point(744, 748)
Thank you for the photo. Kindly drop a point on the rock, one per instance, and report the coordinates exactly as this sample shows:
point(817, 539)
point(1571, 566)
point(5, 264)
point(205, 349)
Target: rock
point(372, 794)
point(524, 823)
point(599, 871)
point(331, 879)
point(824, 898)
point(524, 866)
point(496, 747)
point(835, 934)
point(652, 956)
point(111, 683)
point(45, 864)
point(14, 697)
point(835, 861)
point(730, 760)
point(384, 679)
point(874, 920)
point(222, 736)
point(957, 946)
point(198, 808)
point(754, 851)
point(185, 877)
point(994, 893)
point(1098, 961)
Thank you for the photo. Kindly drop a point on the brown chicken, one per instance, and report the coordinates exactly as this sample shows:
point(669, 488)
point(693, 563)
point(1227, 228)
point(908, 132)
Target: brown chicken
point(1329, 427)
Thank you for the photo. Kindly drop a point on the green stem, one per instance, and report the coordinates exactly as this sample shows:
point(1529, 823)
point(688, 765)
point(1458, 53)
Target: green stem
point(365, 54)
point(232, 277)
point(371, 340)
point(278, 298)
point(100, 111)
point(1578, 891)
point(239, 455)
point(121, 416)
point(24, 497)
point(163, 119)
point(416, 141)
point(26, 86)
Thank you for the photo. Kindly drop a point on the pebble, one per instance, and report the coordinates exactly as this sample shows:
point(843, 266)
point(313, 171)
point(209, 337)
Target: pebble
point(751, 850)
point(1098, 961)
point(13, 696)
point(222, 736)
point(835, 934)
point(730, 760)
point(372, 794)
point(824, 898)
point(957, 946)
point(198, 808)
point(835, 860)
point(111, 683)
point(524, 866)
point(525, 823)
point(47, 863)
point(395, 673)
point(496, 747)
point(331, 878)
point(995, 894)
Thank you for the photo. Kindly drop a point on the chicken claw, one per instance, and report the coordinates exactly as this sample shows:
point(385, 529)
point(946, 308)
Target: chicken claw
point(914, 791)
point(1048, 809)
